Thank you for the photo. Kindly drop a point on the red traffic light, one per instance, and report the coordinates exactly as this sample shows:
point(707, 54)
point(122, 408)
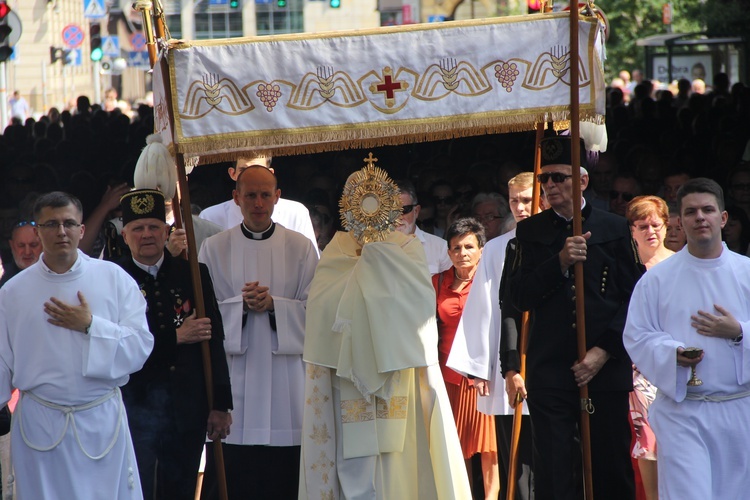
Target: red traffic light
point(4, 10)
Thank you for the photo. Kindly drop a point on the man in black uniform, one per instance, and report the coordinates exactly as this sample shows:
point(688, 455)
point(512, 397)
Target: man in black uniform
point(543, 283)
point(166, 401)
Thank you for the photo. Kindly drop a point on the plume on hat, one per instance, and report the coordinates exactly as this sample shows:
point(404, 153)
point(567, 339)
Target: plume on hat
point(155, 168)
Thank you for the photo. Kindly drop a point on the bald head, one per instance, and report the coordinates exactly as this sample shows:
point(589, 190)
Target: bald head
point(256, 193)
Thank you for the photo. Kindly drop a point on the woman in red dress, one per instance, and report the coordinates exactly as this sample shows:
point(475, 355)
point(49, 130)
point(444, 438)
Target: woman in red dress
point(476, 431)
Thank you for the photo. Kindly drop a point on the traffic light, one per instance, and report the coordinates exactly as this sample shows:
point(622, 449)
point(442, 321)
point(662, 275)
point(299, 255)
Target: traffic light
point(281, 4)
point(5, 29)
point(95, 40)
point(335, 4)
point(534, 6)
point(234, 4)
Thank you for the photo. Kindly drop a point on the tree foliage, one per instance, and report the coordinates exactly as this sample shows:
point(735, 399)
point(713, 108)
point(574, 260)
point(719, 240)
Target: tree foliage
point(631, 20)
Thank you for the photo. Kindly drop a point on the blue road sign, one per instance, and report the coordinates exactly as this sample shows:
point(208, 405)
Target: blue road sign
point(94, 9)
point(111, 46)
point(138, 60)
point(72, 36)
point(75, 57)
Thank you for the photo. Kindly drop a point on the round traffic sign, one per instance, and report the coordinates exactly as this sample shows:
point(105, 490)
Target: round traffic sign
point(72, 36)
point(138, 41)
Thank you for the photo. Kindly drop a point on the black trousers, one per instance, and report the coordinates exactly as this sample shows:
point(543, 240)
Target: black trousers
point(168, 458)
point(254, 472)
point(555, 418)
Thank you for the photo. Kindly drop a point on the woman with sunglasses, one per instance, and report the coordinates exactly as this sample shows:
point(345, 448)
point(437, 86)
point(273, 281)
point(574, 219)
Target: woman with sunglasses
point(648, 217)
point(476, 431)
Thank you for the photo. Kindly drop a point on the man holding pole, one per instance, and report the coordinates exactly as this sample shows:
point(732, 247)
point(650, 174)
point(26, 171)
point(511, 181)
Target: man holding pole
point(167, 401)
point(542, 282)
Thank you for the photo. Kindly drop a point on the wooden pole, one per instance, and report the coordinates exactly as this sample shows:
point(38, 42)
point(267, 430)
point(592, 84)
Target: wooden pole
point(575, 162)
point(518, 409)
point(200, 310)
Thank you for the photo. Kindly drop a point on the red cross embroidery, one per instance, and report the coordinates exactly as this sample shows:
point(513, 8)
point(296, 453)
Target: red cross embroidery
point(389, 87)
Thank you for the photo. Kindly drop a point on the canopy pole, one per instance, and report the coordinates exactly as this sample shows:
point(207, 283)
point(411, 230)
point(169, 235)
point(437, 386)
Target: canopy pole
point(200, 309)
point(575, 162)
point(518, 409)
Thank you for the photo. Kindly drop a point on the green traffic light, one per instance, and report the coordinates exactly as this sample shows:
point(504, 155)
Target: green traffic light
point(281, 3)
point(234, 4)
point(97, 54)
point(335, 4)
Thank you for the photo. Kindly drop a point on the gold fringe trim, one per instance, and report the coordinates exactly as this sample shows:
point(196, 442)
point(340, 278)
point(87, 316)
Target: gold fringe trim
point(280, 144)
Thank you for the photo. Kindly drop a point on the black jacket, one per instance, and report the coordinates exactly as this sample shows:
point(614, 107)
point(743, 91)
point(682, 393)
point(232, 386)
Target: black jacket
point(537, 284)
point(179, 367)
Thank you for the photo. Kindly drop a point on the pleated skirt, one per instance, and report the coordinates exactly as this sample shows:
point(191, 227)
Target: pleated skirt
point(476, 431)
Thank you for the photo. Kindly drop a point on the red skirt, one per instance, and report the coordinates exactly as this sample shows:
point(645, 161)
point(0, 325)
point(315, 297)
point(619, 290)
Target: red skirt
point(476, 431)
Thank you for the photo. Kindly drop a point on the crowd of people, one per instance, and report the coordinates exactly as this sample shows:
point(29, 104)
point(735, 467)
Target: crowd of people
point(653, 211)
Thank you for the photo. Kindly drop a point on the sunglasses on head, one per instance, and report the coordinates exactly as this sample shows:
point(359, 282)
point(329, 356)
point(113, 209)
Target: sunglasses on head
point(25, 223)
point(557, 177)
point(408, 208)
point(613, 195)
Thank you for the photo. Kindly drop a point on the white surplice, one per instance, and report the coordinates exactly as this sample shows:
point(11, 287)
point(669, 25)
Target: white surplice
point(290, 214)
point(90, 451)
point(702, 432)
point(265, 366)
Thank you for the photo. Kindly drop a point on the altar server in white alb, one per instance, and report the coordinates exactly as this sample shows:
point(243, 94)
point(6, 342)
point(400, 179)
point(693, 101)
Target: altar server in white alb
point(261, 273)
point(290, 214)
point(72, 329)
point(700, 297)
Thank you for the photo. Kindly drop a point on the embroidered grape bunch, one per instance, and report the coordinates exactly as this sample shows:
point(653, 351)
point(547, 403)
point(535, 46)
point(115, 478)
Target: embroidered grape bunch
point(506, 73)
point(269, 95)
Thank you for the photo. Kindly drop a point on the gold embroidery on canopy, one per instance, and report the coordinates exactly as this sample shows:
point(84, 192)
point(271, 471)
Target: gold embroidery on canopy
point(212, 92)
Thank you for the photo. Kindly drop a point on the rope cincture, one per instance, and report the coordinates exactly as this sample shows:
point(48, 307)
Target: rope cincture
point(69, 412)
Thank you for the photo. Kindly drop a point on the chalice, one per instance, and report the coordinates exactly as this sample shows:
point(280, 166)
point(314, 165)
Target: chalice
point(692, 353)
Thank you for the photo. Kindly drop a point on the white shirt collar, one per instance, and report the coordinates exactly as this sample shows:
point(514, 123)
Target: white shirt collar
point(150, 269)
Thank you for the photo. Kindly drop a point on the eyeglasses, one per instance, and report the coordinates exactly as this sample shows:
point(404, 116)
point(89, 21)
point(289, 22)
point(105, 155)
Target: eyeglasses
point(645, 227)
point(52, 225)
point(486, 219)
point(408, 208)
point(557, 177)
point(443, 200)
point(24, 223)
point(613, 195)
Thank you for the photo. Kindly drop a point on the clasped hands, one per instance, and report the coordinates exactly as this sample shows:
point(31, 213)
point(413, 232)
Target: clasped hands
point(257, 298)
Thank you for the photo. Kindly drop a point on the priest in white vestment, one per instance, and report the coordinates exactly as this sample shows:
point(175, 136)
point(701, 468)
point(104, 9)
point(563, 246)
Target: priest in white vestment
point(261, 273)
point(289, 213)
point(700, 297)
point(378, 423)
point(72, 329)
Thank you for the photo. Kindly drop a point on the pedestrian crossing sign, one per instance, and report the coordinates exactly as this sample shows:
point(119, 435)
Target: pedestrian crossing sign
point(111, 46)
point(94, 9)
